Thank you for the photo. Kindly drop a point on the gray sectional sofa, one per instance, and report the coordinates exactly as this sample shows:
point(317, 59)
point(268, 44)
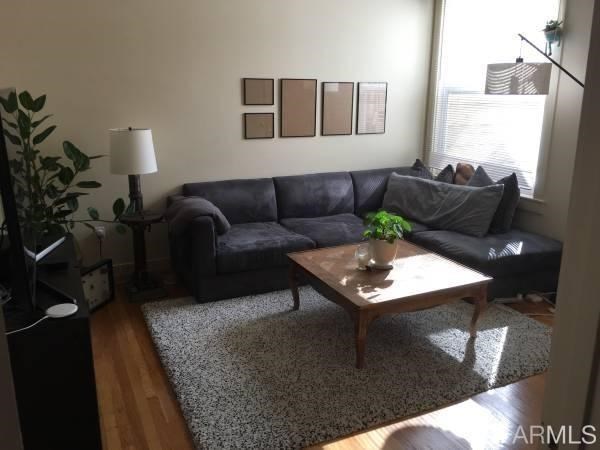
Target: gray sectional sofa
point(270, 217)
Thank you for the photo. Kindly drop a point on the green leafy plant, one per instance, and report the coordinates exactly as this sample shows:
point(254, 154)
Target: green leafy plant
point(552, 25)
point(47, 188)
point(385, 226)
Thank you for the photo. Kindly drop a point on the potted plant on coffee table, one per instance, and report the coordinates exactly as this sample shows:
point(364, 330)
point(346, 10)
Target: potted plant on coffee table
point(383, 231)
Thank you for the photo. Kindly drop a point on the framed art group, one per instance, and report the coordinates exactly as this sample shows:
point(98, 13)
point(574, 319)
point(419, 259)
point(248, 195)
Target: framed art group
point(298, 108)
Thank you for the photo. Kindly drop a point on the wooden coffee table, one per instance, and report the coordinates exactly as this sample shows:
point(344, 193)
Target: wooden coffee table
point(419, 280)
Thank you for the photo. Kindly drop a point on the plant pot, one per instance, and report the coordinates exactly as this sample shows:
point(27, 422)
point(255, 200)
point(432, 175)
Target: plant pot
point(553, 36)
point(382, 252)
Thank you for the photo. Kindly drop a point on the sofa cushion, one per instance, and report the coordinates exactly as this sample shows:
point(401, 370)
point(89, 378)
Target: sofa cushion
point(330, 230)
point(241, 201)
point(314, 195)
point(502, 221)
point(252, 246)
point(444, 206)
point(497, 255)
point(417, 227)
point(369, 187)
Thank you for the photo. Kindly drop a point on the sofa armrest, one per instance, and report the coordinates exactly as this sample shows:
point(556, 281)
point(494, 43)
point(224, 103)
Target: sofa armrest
point(195, 251)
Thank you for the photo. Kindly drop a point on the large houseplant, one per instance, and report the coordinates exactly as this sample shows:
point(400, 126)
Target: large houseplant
point(383, 231)
point(47, 188)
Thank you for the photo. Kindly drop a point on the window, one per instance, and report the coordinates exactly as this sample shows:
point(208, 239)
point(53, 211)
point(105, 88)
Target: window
point(500, 132)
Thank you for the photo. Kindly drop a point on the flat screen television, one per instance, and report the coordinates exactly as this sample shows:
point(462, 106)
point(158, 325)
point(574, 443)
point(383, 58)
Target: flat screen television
point(20, 273)
point(25, 249)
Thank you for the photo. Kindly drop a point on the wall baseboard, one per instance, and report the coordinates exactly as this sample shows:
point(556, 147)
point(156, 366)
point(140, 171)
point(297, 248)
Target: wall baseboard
point(160, 266)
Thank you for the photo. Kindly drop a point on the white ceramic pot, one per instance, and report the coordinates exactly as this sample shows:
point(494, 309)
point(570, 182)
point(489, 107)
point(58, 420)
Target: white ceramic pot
point(382, 252)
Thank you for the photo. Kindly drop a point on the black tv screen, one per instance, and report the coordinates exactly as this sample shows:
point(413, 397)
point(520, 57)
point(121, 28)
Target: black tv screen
point(21, 273)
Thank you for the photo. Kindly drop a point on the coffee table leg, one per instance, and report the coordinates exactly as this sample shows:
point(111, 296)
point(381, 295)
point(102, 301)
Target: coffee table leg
point(480, 305)
point(361, 324)
point(294, 285)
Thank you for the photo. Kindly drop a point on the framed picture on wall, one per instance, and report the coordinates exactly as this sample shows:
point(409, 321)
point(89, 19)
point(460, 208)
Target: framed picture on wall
point(259, 126)
point(336, 108)
point(298, 107)
point(370, 110)
point(98, 284)
point(259, 91)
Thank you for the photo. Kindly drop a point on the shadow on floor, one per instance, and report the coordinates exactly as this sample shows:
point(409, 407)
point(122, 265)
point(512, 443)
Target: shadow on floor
point(424, 438)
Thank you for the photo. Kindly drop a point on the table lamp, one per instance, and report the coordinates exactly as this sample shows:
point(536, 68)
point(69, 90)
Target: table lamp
point(132, 154)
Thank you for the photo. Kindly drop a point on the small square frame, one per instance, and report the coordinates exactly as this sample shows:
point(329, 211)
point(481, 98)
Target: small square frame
point(259, 91)
point(251, 119)
point(99, 272)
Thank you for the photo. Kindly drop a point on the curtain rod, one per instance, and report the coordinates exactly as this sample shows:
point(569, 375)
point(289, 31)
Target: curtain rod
point(523, 38)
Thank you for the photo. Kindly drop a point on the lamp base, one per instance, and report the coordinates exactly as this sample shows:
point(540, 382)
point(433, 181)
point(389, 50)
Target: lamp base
point(143, 287)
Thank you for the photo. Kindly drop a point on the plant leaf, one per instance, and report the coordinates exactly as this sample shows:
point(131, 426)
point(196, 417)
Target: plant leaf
point(24, 124)
point(12, 138)
point(50, 163)
point(10, 124)
point(39, 138)
point(89, 184)
point(93, 212)
point(73, 203)
point(61, 214)
point(66, 176)
point(80, 160)
point(39, 103)
point(37, 123)
point(10, 103)
point(51, 191)
point(26, 100)
point(118, 207)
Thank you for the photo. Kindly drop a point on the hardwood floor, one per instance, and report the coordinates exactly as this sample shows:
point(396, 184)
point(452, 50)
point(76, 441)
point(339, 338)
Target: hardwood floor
point(138, 409)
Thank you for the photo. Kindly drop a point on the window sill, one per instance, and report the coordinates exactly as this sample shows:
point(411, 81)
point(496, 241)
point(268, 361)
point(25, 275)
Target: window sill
point(532, 205)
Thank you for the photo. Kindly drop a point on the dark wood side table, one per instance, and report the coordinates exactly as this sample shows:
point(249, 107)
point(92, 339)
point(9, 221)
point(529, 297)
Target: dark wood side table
point(142, 286)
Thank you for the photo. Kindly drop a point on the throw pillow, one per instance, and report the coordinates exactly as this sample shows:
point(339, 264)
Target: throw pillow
point(480, 178)
point(463, 173)
point(446, 175)
point(420, 170)
point(464, 209)
point(502, 221)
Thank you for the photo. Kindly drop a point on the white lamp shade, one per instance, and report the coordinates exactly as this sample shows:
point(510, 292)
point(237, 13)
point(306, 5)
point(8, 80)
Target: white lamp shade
point(132, 151)
point(518, 78)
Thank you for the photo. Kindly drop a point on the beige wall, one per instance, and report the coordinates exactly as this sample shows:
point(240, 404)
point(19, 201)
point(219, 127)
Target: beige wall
point(550, 218)
point(575, 335)
point(175, 66)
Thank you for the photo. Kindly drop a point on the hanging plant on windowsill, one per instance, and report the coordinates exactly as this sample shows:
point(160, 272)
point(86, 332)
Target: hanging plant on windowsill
point(48, 188)
point(553, 33)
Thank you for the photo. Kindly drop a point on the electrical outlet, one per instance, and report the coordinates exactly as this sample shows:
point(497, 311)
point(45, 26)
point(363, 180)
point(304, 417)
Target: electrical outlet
point(100, 232)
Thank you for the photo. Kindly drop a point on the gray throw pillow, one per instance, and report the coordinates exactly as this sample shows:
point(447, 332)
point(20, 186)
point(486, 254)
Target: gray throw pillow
point(446, 175)
point(420, 170)
point(502, 221)
point(184, 210)
point(464, 209)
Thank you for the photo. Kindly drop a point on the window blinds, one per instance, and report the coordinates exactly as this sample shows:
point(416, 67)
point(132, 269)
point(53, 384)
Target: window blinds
point(502, 133)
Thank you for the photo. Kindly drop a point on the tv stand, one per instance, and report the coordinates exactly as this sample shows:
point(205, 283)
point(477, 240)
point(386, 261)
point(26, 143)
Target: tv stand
point(53, 368)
